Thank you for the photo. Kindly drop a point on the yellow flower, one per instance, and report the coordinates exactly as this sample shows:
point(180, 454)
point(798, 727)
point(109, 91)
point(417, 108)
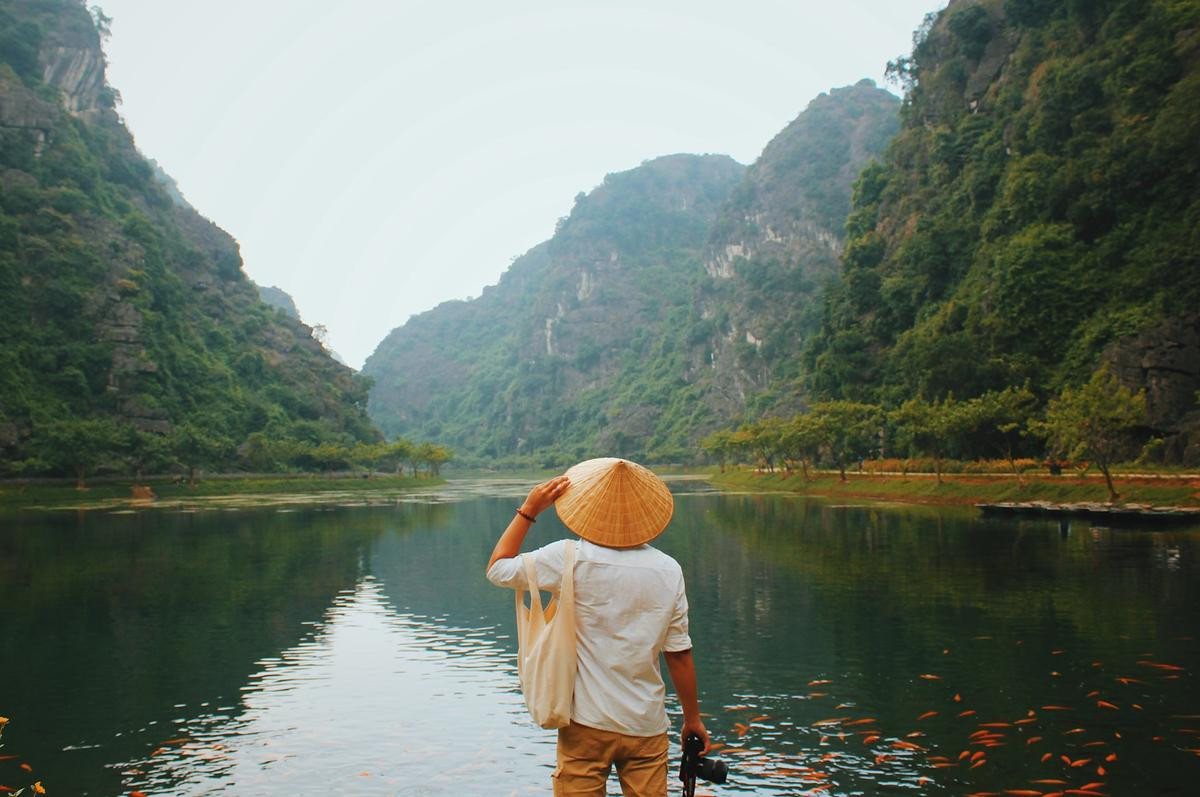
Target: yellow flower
point(37, 788)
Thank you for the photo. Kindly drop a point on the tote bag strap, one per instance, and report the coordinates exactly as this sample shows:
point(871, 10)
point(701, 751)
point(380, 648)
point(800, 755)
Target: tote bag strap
point(531, 585)
point(566, 590)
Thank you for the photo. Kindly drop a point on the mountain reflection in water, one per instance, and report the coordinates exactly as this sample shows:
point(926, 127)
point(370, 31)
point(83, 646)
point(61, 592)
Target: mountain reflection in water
point(850, 649)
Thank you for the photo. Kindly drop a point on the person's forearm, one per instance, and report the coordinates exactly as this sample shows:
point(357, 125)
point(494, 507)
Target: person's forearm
point(683, 676)
point(540, 498)
point(509, 544)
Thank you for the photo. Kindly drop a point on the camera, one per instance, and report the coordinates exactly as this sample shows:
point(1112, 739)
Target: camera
point(694, 765)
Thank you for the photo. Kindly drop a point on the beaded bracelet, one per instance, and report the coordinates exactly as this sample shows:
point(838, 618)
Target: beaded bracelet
point(527, 517)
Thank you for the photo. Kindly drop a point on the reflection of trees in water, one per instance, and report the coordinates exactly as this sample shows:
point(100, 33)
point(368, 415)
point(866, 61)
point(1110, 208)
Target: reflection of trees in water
point(113, 620)
point(863, 601)
point(1098, 581)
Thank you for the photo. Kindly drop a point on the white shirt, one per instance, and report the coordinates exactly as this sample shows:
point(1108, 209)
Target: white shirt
point(630, 606)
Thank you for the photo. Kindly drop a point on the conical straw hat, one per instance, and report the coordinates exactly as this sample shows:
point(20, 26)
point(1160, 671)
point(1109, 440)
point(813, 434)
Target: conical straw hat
point(615, 503)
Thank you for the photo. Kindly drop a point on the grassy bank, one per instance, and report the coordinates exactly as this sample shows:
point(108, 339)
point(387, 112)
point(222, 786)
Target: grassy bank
point(16, 496)
point(972, 489)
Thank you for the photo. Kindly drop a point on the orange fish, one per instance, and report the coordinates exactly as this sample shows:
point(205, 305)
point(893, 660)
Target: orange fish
point(978, 756)
point(995, 725)
point(819, 683)
point(979, 763)
point(944, 765)
point(1128, 681)
point(760, 718)
point(1046, 757)
point(1101, 771)
point(1106, 704)
point(926, 715)
point(1056, 708)
point(1023, 792)
point(1092, 786)
point(1033, 740)
point(1161, 666)
point(1111, 757)
point(27, 768)
point(1081, 762)
point(1025, 721)
point(963, 754)
point(1050, 781)
point(1093, 693)
point(957, 698)
point(870, 739)
point(863, 721)
point(929, 677)
point(1073, 730)
point(137, 794)
point(968, 713)
point(899, 745)
point(741, 729)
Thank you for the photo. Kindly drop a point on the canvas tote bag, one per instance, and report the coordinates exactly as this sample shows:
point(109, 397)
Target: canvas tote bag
point(546, 658)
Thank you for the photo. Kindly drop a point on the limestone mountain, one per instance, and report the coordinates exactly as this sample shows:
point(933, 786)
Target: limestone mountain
point(121, 304)
point(575, 348)
point(1036, 215)
point(674, 295)
point(777, 243)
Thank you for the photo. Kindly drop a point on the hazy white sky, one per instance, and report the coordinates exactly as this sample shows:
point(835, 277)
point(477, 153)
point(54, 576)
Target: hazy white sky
point(377, 157)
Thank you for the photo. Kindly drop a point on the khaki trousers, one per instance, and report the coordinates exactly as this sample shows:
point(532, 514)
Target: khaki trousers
point(585, 756)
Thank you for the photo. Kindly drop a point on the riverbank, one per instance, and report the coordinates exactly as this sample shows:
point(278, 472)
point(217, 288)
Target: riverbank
point(956, 489)
point(222, 488)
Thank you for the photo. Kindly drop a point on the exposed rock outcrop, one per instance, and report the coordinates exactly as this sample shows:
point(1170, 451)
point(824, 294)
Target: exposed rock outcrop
point(1165, 362)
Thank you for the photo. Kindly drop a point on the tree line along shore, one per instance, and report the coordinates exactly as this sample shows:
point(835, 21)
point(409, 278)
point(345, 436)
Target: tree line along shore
point(1096, 426)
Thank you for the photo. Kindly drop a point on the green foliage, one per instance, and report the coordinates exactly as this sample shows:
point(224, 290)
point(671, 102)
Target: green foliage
point(1094, 423)
point(123, 309)
point(930, 427)
point(1018, 227)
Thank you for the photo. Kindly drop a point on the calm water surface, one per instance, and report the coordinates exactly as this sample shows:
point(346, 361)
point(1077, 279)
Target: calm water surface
point(844, 650)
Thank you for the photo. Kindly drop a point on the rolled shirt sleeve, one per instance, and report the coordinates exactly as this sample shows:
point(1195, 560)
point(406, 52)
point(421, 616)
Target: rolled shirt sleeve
point(678, 639)
point(548, 561)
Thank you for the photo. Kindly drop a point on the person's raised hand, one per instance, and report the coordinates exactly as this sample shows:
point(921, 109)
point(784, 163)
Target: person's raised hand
point(544, 494)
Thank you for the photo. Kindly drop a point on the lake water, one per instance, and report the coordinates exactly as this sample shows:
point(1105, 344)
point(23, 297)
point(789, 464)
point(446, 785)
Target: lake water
point(845, 650)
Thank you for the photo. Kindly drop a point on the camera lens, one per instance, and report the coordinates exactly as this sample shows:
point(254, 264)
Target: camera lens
point(713, 770)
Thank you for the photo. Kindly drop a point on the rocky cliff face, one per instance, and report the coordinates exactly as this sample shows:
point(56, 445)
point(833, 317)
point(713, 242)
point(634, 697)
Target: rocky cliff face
point(121, 301)
point(1165, 362)
point(778, 241)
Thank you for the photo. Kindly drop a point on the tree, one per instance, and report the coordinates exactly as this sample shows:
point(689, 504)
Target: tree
point(800, 441)
point(434, 456)
point(931, 427)
point(197, 448)
point(719, 446)
point(145, 450)
point(847, 429)
point(79, 445)
point(1094, 422)
point(1002, 418)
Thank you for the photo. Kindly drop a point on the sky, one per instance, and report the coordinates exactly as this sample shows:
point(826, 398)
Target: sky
point(374, 158)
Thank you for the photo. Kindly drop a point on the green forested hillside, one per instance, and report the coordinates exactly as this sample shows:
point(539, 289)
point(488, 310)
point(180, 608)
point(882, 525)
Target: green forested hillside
point(675, 295)
point(582, 345)
point(1038, 213)
point(126, 318)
